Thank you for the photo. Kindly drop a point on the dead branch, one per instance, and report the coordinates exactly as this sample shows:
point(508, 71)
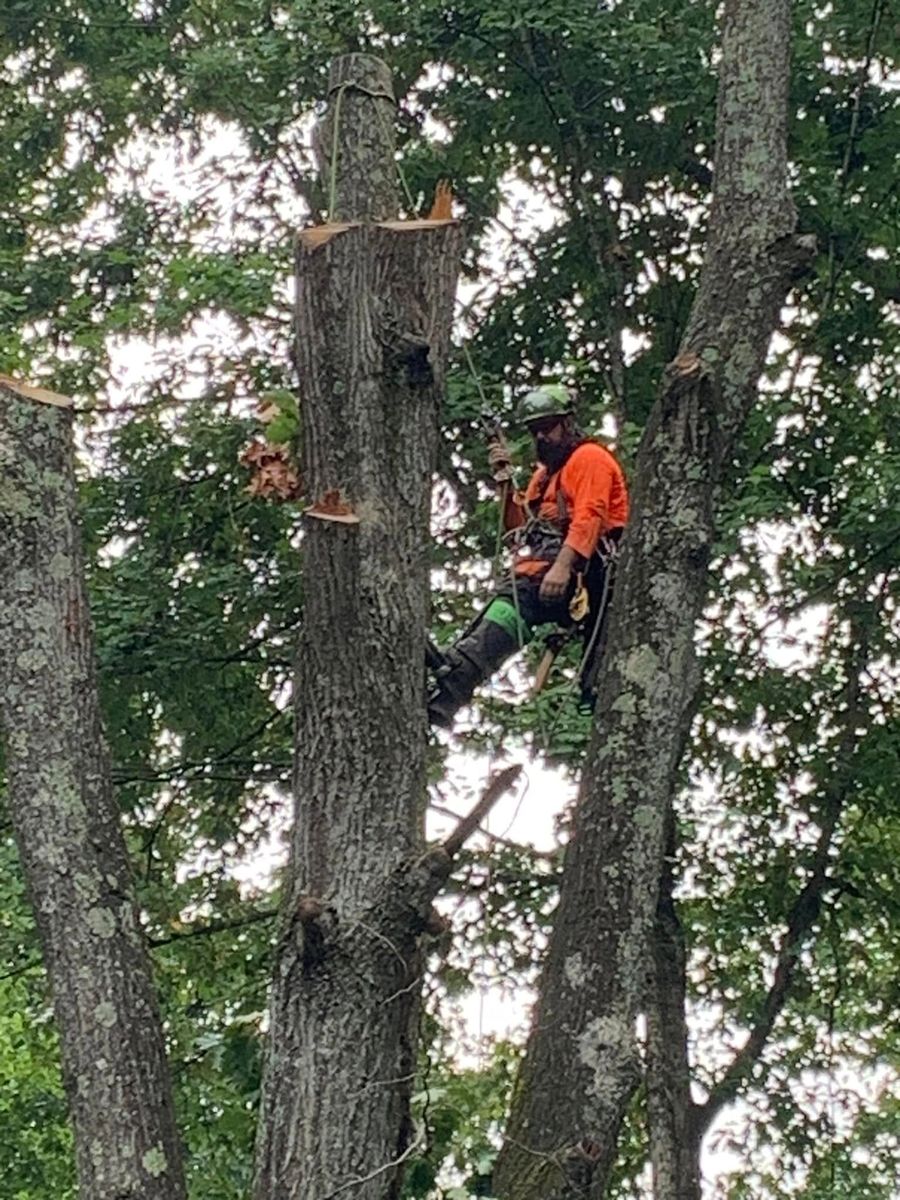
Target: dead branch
point(497, 787)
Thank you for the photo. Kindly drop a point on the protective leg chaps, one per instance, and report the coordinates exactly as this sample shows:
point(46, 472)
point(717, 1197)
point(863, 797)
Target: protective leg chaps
point(470, 662)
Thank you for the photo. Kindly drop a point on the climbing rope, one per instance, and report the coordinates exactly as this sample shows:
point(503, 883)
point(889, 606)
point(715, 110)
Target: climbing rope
point(338, 92)
point(611, 555)
point(400, 175)
point(504, 487)
point(332, 183)
point(545, 732)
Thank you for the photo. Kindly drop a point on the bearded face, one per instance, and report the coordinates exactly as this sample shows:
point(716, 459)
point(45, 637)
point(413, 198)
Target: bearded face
point(554, 440)
point(552, 454)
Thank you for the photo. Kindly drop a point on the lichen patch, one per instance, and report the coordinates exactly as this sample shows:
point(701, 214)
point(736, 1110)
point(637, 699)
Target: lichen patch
point(154, 1162)
point(105, 1014)
point(101, 922)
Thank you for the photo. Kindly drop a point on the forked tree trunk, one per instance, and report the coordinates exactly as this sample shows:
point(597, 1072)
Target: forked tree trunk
point(66, 820)
point(374, 311)
point(582, 1051)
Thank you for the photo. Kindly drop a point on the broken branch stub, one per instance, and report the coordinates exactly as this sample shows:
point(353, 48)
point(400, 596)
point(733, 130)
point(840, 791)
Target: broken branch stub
point(29, 392)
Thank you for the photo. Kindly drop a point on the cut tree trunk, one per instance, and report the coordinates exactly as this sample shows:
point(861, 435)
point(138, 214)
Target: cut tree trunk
point(66, 820)
point(595, 983)
point(374, 312)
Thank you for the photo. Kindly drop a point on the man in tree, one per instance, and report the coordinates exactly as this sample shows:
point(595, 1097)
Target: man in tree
point(563, 531)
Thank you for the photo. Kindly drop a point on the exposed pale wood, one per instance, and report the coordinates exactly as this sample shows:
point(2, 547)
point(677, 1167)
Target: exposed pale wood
point(317, 235)
point(542, 674)
point(34, 393)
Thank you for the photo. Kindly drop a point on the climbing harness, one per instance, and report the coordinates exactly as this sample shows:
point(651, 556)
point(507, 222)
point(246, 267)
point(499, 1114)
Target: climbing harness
point(510, 613)
point(541, 539)
point(608, 551)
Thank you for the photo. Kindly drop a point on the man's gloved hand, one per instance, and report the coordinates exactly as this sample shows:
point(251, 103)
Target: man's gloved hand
point(499, 459)
point(498, 455)
point(555, 582)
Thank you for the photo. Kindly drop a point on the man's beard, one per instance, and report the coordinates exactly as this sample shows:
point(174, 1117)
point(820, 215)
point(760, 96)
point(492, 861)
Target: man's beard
point(554, 454)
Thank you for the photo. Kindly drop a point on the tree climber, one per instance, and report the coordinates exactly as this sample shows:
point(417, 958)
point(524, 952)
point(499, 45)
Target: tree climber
point(563, 531)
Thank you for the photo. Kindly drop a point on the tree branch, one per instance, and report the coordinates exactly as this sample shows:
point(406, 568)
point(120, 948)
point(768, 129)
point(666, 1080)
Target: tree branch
point(805, 910)
point(670, 1110)
point(265, 914)
point(30, 964)
point(497, 839)
point(500, 784)
point(594, 979)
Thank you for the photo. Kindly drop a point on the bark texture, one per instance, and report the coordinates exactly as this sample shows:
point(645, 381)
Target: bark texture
point(355, 141)
point(67, 823)
point(674, 1137)
point(374, 310)
point(598, 972)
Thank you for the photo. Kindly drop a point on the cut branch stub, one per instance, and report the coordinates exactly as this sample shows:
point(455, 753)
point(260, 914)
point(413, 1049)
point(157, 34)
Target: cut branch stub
point(26, 390)
point(373, 309)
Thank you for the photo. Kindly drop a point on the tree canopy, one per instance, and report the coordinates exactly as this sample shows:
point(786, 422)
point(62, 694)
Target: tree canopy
point(159, 158)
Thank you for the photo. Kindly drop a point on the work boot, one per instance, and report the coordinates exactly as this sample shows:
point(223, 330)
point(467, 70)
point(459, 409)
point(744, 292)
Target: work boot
point(470, 662)
point(434, 657)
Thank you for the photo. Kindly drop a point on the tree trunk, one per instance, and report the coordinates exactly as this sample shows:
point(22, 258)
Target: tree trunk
point(374, 311)
point(674, 1141)
point(67, 823)
point(596, 978)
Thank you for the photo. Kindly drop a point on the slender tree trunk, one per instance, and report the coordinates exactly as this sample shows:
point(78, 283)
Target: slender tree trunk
point(596, 978)
point(674, 1141)
point(66, 820)
point(374, 311)
point(803, 914)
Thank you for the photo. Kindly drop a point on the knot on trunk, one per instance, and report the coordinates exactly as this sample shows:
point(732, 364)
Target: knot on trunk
point(688, 367)
point(407, 351)
point(312, 924)
point(579, 1165)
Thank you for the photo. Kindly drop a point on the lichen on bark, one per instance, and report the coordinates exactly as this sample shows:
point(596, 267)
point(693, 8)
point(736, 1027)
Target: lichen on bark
point(648, 675)
point(66, 821)
point(373, 314)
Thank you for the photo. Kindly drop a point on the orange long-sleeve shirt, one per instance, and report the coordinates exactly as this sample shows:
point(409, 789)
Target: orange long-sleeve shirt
point(596, 500)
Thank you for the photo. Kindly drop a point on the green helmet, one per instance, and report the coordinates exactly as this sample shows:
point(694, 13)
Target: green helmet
point(552, 400)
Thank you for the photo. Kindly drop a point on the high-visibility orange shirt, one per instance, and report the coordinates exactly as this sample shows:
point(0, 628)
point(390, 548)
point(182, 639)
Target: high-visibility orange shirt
point(596, 500)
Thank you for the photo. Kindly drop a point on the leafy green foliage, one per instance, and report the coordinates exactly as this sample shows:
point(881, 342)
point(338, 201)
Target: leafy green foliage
point(461, 1111)
point(157, 160)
